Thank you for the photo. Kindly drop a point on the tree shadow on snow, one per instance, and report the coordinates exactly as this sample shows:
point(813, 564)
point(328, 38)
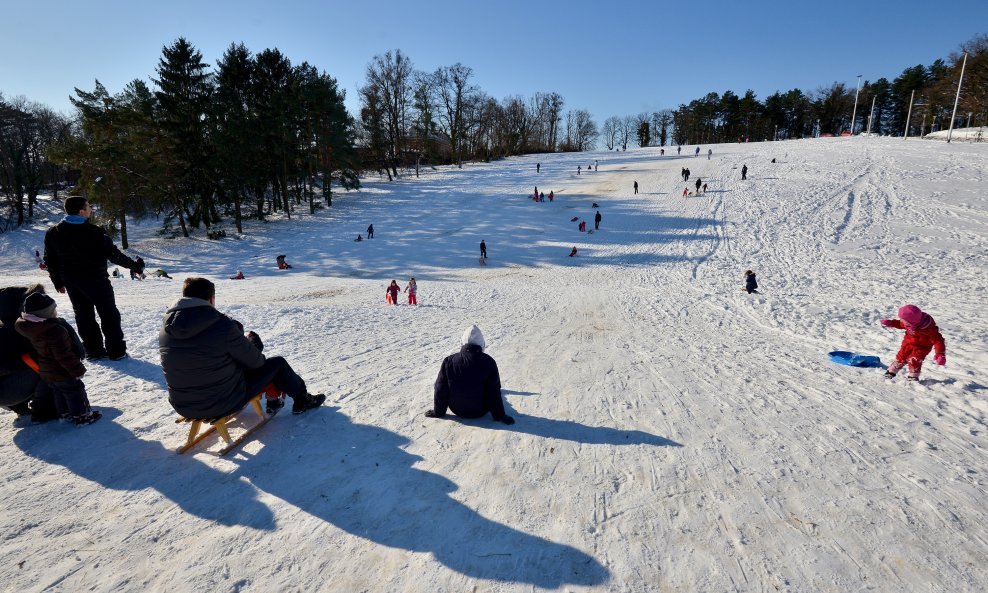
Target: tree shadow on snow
point(123, 462)
point(360, 479)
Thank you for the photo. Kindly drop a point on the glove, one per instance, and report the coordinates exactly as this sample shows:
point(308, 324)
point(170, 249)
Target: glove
point(430, 413)
point(940, 359)
point(507, 420)
point(886, 322)
point(255, 340)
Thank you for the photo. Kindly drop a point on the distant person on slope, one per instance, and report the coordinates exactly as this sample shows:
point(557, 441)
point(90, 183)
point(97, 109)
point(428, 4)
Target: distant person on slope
point(922, 335)
point(636, 188)
point(750, 284)
point(411, 289)
point(468, 383)
point(483, 250)
point(744, 172)
point(370, 231)
point(699, 183)
point(596, 221)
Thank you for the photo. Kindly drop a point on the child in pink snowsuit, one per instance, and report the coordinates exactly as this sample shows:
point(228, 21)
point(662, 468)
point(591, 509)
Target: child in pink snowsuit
point(411, 289)
point(392, 293)
point(922, 335)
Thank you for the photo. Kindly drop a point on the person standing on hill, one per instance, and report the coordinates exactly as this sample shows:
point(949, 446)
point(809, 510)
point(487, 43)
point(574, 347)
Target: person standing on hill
point(636, 188)
point(370, 231)
point(483, 249)
point(596, 221)
point(744, 172)
point(710, 152)
point(697, 153)
point(75, 255)
point(698, 184)
point(538, 167)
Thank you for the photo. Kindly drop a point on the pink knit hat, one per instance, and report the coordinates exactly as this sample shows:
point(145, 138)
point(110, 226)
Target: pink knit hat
point(912, 316)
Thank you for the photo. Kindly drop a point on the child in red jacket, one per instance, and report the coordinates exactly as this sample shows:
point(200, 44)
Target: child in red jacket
point(922, 335)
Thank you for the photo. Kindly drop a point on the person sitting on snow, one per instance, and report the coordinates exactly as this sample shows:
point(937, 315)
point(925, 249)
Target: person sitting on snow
point(750, 284)
point(239, 276)
point(572, 253)
point(468, 384)
point(282, 264)
point(359, 238)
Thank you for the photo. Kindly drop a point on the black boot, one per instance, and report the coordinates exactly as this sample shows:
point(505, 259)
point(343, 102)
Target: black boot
point(307, 403)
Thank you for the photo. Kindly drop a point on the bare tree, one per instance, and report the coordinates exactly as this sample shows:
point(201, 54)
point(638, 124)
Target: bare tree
point(453, 93)
point(611, 131)
point(391, 76)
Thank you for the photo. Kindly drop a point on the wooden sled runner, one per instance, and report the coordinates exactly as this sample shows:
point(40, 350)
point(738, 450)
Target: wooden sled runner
point(218, 425)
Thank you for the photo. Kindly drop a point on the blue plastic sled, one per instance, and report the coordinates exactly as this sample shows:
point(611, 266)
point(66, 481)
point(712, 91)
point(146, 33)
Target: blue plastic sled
point(855, 360)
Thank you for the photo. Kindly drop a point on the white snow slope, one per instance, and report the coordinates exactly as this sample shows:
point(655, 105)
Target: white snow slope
point(673, 432)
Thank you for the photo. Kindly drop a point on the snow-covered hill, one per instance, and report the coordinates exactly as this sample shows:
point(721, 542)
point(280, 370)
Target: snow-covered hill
point(673, 432)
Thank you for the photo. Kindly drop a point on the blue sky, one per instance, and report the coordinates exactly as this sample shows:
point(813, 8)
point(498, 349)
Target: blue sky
point(612, 58)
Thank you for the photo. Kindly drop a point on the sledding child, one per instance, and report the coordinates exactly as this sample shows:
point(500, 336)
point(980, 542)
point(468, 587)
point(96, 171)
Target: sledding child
point(922, 335)
point(750, 284)
point(239, 276)
point(392, 293)
point(138, 275)
point(282, 264)
point(60, 353)
point(411, 289)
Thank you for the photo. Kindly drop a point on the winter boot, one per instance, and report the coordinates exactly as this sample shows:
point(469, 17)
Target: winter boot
point(307, 403)
point(889, 375)
point(912, 378)
point(87, 418)
point(274, 404)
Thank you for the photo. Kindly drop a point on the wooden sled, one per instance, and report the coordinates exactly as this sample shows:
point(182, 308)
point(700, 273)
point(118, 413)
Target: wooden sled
point(218, 425)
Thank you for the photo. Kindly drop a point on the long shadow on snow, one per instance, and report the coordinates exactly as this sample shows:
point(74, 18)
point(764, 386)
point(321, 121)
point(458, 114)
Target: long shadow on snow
point(567, 430)
point(360, 479)
point(123, 462)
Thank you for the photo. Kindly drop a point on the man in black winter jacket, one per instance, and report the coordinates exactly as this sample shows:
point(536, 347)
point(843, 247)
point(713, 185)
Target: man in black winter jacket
point(212, 369)
point(75, 255)
point(468, 383)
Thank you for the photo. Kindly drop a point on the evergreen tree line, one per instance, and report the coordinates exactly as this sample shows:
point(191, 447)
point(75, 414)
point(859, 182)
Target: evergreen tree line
point(797, 114)
point(256, 135)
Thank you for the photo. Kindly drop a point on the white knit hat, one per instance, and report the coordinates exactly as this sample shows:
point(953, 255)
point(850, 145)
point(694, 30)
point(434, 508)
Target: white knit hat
point(473, 335)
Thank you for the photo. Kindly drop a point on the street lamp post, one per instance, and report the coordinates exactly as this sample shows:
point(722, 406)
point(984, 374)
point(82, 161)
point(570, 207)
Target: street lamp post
point(909, 114)
point(872, 114)
point(855, 112)
point(956, 99)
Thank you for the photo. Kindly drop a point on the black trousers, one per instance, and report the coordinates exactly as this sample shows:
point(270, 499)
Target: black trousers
point(274, 370)
point(70, 397)
point(91, 297)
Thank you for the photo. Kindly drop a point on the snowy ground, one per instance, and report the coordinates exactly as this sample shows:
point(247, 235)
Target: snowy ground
point(673, 433)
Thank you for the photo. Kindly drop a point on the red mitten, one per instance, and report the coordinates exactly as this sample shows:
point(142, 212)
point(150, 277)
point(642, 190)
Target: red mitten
point(940, 359)
point(886, 322)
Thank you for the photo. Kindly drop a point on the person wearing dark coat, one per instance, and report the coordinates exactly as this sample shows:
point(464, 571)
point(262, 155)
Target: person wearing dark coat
point(483, 250)
point(750, 284)
point(744, 172)
point(596, 220)
point(370, 231)
point(636, 188)
point(75, 255)
point(468, 383)
point(699, 182)
point(60, 355)
point(21, 389)
point(211, 368)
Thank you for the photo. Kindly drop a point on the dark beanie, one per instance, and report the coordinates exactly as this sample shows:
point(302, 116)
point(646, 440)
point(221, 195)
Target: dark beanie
point(40, 305)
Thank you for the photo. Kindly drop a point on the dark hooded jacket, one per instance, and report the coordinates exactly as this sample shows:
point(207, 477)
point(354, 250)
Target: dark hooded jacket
point(469, 385)
point(203, 355)
point(750, 283)
point(78, 252)
point(12, 344)
point(59, 349)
